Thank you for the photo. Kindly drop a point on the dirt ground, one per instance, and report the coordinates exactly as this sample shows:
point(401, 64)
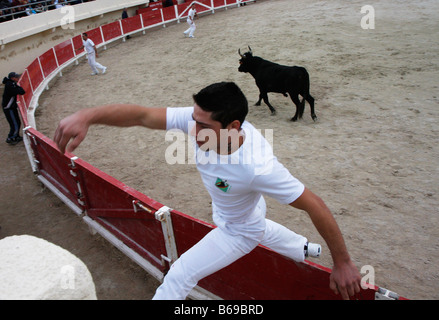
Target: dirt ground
point(372, 154)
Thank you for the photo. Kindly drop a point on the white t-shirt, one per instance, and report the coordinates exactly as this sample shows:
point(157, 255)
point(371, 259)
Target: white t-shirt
point(236, 182)
point(88, 45)
point(191, 14)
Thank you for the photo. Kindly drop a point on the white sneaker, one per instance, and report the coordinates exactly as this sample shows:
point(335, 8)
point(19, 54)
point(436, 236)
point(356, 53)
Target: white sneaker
point(105, 70)
point(313, 250)
point(94, 73)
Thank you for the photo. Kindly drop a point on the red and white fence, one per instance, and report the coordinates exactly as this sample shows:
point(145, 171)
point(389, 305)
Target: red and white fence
point(147, 231)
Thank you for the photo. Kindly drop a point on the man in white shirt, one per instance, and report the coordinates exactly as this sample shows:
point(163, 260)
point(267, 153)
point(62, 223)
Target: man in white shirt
point(190, 21)
point(237, 167)
point(92, 54)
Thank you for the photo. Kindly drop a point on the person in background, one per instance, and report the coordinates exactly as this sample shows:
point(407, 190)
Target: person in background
point(125, 16)
point(92, 54)
point(167, 3)
point(10, 107)
point(190, 21)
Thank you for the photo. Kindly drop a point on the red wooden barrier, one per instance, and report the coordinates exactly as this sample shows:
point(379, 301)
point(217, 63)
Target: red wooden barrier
point(262, 274)
point(64, 52)
point(218, 3)
point(22, 109)
point(151, 18)
point(131, 24)
point(182, 7)
point(95, 35)
point(111, 30)
point(169, 13)
point(152, 6)
point(77, 43)
point(21, 99)
point(48, 62)
point(201, 8)
point(53, 166)
point(26, 98)
point(110, 203)
point(105, 199)
point(35, 73)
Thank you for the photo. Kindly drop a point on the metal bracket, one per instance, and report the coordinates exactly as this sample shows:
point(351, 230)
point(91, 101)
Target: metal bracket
point(27, 140)
point(79, 193)
point(136, 204)
point(30, 135)
point(384, 294)
point(164, 216)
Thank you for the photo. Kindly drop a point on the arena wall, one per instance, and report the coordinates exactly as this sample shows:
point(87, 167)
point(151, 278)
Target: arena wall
point(147, 231)
point(21, 40)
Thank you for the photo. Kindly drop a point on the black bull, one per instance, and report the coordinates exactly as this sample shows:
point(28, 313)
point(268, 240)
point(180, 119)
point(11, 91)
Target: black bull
point(272, 77)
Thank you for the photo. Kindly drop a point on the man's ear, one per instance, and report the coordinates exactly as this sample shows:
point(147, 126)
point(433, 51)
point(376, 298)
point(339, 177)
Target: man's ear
point(235, 124)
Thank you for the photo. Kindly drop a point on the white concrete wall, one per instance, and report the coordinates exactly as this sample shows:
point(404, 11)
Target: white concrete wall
point(35, 269)
point(24, 39)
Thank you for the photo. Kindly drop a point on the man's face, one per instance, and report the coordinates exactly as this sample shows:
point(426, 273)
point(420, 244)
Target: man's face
point(84, 37)
point(210, 135)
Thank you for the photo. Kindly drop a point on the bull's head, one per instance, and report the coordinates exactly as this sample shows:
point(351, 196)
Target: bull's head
point(244, 61)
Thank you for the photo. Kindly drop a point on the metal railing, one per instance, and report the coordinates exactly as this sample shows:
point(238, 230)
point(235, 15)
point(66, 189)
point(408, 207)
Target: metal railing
point(32, 7)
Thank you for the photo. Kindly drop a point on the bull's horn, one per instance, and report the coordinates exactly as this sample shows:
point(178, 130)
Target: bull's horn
point(239, 51)
point(250, 50)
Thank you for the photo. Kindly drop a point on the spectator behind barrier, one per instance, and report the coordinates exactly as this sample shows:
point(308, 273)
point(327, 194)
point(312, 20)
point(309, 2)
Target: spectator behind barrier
point(125, 16)
point(167, 3)
point(14, 9)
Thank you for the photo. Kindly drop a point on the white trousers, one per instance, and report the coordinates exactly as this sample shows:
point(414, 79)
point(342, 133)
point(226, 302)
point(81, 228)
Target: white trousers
point(91, 57)
point(218, 249)
point(191, 28)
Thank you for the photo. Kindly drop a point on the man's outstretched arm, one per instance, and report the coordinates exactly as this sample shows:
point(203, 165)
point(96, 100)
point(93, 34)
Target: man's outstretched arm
point(72, 130)
point(345, 278)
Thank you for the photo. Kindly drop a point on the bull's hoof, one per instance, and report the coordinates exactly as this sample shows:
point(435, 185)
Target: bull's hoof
point(294, 119)
point(273, 112)
point(314, 117)
point(257, 104)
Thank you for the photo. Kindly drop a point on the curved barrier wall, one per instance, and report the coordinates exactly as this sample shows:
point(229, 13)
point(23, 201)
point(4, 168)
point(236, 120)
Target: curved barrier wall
point(150, 233)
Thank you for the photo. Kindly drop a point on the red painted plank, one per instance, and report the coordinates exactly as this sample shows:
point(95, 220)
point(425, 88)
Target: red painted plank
point(64, 52)
point(111, 30)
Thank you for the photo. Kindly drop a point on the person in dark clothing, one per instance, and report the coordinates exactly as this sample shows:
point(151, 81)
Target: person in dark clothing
point(167, 3)
point(10, 107)
point(125, 16)
point(124, 13)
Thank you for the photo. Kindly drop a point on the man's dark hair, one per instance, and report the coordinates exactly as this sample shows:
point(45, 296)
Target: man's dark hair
point(225, 100)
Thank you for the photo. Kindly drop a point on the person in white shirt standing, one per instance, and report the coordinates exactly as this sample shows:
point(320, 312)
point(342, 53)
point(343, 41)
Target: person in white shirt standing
point(238, 169)
point(92, 54)
point(190, 20)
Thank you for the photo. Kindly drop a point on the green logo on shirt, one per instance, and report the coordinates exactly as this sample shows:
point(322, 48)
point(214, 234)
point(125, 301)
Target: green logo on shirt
point(222, 184)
